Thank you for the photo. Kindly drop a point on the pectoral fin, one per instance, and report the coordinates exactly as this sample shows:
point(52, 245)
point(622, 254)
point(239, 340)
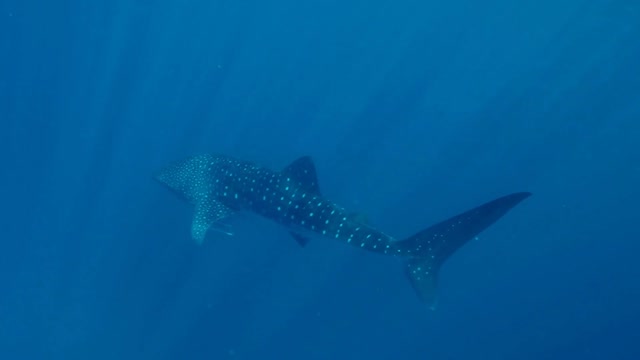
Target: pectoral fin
point(207, 213)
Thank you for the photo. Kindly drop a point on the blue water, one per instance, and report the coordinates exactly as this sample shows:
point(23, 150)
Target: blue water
point(413, 111)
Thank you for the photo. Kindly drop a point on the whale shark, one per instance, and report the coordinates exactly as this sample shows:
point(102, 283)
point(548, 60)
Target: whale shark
point(219, 186)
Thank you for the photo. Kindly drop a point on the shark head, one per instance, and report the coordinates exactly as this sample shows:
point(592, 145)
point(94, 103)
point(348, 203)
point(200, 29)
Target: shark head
point(195, 180)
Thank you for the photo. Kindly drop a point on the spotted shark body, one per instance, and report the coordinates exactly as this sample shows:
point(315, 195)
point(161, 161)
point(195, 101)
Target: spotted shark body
point(219, 186)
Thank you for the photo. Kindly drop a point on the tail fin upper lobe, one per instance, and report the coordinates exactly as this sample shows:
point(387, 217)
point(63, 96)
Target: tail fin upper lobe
point(431, 247)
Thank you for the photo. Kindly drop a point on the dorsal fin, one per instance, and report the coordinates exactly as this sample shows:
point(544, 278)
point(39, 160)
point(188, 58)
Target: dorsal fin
point(303, 172)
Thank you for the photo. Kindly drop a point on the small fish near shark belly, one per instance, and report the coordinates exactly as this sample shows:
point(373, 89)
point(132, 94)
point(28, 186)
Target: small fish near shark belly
point(218, 186)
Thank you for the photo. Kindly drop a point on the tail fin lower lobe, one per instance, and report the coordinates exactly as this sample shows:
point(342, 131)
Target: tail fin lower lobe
point(433, 246)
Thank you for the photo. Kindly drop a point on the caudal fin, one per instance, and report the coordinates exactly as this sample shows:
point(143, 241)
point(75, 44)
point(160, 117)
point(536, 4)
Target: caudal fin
point(433, 246)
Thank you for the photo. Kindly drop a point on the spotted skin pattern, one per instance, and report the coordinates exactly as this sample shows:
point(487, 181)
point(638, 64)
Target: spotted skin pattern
point(219, 186)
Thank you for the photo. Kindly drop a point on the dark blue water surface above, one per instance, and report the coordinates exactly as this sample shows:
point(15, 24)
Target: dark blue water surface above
point(412, 110)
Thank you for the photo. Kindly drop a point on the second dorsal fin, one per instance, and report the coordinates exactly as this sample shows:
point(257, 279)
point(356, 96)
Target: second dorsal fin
point(303, 172)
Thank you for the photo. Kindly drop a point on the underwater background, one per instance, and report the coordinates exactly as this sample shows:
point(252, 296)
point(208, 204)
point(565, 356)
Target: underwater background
point(413, 111)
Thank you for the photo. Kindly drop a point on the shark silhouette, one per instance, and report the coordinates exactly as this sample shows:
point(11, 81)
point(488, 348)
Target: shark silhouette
point(219, 186)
